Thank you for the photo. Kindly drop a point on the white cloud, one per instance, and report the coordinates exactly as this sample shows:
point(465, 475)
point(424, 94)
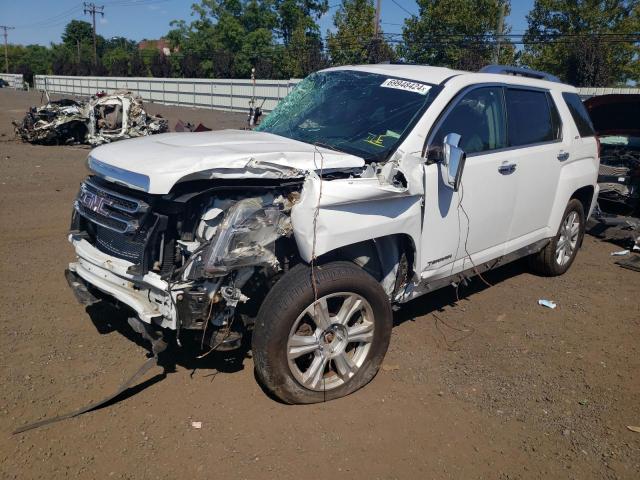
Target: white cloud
point(103, 21)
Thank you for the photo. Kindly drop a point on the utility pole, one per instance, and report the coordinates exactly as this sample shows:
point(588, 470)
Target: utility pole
point(6, 51)
point(92, 9)
point(376, 20)
point(499, 33)
point(374, 46)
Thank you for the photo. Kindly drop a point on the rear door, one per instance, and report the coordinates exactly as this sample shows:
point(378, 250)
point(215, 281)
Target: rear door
point(538, 148)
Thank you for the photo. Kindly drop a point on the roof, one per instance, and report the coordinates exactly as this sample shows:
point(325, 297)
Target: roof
point(436, 75)
point(421, 73)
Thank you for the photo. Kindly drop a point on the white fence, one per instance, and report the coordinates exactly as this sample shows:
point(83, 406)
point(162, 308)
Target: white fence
point(221, 94)
point(593, 91)
point(15, 80)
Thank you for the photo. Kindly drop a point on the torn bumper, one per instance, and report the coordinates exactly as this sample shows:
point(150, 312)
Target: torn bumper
point(147, 295)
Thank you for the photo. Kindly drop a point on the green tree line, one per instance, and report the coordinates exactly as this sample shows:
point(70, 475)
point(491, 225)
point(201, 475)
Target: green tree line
point(584, 42)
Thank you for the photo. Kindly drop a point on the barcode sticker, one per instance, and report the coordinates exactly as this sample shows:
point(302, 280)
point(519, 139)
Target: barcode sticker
point(407, 86)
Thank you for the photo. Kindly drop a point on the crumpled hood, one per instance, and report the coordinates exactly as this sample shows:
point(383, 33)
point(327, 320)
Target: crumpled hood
point(156, 163)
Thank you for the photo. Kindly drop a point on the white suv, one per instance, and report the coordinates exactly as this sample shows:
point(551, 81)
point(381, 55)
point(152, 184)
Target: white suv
point(367, 186)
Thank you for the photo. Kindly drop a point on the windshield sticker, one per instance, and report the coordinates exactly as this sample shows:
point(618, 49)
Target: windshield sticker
point(414, 87)
point(377, 140)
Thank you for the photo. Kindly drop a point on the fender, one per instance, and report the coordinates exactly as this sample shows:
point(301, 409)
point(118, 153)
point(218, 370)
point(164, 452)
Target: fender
point(335, 213)
point(573, 176)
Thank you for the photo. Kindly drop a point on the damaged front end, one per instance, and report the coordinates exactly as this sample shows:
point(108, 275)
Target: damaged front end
point(194, 261)
point(102, 119)
point(617, 123)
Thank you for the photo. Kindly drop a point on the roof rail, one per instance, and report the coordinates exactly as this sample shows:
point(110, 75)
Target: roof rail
point(519, 72)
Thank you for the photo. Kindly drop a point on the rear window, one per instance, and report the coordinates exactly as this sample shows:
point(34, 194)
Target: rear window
point(529, 118)
point(579, 114)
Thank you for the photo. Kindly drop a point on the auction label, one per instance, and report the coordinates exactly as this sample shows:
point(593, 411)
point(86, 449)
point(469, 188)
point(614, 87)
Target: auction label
point(414, 87)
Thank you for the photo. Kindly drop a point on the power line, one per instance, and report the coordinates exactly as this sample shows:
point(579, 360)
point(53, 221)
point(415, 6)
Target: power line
point(55, 18)
point(402, 8)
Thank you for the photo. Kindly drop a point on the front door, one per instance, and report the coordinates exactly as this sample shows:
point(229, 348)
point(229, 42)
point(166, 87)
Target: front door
point(472, 225)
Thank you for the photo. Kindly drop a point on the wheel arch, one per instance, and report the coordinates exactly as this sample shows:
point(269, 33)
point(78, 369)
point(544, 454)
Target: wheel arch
point(586, 196)
point(390, 259)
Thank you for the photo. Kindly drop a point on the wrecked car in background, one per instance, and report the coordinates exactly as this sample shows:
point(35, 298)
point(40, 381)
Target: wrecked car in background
point(616, 121)
point(102, 119)
point(353, 195)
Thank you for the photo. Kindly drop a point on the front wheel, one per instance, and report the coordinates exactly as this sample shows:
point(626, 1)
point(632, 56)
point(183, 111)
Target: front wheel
point(316, 344)
point(559, 254)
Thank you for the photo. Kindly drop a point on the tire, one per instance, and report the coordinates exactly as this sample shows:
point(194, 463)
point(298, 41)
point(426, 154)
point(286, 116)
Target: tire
point(289, 344)
point(549, 261)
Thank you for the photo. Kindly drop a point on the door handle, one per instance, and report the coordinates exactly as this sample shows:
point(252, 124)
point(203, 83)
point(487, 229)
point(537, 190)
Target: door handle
point(507, 168)
point(563, 156)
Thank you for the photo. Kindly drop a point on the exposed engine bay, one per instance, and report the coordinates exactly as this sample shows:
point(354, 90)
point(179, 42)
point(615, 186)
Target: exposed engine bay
point(102, 119)
point(617, 123)
point(619, 176)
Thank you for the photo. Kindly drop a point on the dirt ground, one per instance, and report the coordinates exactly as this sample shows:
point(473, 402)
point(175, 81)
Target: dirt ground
point(491, 386)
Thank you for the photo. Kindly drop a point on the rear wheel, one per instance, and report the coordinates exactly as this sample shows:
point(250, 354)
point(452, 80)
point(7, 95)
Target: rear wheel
point(310, 348)
point(559, 254)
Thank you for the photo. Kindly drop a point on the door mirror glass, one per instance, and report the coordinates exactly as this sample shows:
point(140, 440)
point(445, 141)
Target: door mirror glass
point(453, 160)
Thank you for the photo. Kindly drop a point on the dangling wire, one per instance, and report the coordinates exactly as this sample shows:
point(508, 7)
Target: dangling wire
point(316, 214)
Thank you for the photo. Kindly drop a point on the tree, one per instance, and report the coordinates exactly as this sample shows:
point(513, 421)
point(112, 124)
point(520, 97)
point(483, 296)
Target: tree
point(137, 66)
point(303, 54)
point(585, 43)
point(159, 65)
point(299, 14)
point(116, 61)
point(354, 42)
point(455, 33)
point(77, 34)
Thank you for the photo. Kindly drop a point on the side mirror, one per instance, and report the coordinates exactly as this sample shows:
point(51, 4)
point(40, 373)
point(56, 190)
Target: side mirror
point(453, 160)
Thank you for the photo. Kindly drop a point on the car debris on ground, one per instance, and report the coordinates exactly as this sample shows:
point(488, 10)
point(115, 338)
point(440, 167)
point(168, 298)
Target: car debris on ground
point(102, 119)
point(620, 253)
point(190, 127)
point(547, 303)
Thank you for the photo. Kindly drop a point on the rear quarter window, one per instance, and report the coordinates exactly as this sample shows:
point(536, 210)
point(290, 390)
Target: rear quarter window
point(530, 118)
point(579, 114)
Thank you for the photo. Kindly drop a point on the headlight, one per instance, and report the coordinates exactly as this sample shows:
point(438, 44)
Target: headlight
point(246, 237)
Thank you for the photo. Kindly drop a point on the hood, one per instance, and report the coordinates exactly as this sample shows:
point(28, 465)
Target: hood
point(615, 114)
point(156, 163)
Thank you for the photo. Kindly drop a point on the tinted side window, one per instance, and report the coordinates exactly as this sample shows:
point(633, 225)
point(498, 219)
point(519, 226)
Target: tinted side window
point(529, 117)
point(479, 119)
point(579, 114)
point(556, 121)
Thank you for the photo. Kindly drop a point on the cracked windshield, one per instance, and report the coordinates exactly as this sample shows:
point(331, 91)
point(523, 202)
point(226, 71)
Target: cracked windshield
point(360, 113)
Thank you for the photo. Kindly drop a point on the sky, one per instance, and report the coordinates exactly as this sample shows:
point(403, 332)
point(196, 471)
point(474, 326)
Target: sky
point(44, 20)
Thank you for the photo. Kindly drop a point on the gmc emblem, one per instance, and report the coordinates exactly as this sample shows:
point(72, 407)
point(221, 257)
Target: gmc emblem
point(94, 202)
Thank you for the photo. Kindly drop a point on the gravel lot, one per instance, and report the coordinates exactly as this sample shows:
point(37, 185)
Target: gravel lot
point(490, 386)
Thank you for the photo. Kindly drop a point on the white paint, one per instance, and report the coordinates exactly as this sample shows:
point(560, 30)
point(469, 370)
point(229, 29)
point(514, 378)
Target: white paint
point(169, 158)
point(506, 212)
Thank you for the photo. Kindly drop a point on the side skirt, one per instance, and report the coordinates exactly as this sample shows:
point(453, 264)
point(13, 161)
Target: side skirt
point(416, 290)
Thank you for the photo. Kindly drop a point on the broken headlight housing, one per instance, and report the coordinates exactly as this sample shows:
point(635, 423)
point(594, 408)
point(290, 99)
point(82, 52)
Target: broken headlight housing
point(246, 237)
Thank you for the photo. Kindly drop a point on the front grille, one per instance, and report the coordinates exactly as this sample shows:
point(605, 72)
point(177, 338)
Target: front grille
point(111, 223)
point(119, 225)
point(127, 247)
point(109, 209)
